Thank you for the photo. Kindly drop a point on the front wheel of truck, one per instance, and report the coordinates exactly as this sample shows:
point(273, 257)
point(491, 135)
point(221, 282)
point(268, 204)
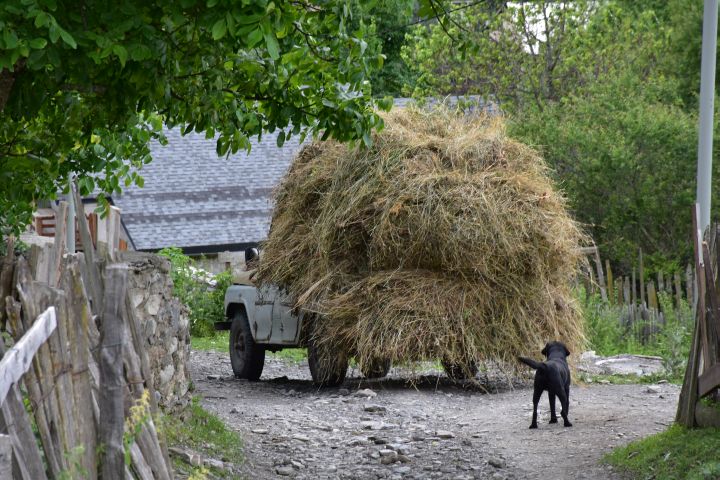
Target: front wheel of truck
point(247, 357)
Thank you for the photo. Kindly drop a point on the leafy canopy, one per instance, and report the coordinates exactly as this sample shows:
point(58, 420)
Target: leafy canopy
point(85, 86)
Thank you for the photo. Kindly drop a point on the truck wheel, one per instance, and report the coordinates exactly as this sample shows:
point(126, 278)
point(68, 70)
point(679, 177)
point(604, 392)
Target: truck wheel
point(377, 368)
point(458, 371)
point(247, 357)
point(330, 373)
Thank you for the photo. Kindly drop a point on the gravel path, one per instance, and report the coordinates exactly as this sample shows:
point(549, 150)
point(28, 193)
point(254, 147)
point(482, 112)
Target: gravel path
point(390, 429)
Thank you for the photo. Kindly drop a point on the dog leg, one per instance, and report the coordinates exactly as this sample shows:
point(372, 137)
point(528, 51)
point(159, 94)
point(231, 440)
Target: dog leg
point(553, 415)
point(565, 407)
point(536, 399)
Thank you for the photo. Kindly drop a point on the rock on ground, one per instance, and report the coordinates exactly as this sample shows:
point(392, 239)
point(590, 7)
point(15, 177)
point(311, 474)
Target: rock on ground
point(430, 430)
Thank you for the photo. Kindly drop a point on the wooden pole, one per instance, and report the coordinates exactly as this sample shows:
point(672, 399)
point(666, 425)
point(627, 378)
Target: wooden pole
point(610, 291)
point(111, 374)
point(642, 280)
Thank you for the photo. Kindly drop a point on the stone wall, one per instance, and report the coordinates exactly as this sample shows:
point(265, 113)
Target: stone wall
point(165, 323)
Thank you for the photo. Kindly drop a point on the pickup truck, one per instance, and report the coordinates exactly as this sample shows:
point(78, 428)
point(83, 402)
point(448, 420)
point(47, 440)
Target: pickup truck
point(263, 318)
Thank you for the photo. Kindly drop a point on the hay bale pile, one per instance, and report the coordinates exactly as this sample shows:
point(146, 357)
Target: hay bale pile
point(446, 239)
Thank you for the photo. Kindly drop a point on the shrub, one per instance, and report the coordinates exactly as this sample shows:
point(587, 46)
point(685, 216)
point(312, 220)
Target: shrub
point(203, 293)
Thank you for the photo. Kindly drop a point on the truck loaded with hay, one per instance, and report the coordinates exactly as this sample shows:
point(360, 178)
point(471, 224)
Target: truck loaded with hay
point(443, 240)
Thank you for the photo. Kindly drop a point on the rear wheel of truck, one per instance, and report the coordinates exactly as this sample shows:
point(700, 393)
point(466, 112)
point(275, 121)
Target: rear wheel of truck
point(327, 368)
point(376, 368)
point(247, 357)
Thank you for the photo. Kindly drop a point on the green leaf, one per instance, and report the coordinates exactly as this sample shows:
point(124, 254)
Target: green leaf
point(121, 53)
point(219, 29)
point(38, 43)
point(10, 39)
point(280, 139)
point(42, 19)
point(254, 37)
point(273, 47)
point(67, 38)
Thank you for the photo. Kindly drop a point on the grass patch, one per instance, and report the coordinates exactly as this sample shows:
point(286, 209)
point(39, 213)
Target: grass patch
point(296, 355)
point(198, 430)
point(217, 342)
point(675, 453)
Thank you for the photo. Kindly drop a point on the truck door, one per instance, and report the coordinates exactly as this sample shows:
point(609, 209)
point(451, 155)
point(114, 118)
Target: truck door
point(261, 322)
point(285, 325)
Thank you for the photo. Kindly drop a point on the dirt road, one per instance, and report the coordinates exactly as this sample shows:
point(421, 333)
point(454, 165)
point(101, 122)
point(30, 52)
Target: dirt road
point(390, 429)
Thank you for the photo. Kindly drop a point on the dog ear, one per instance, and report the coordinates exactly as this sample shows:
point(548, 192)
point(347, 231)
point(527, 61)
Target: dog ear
point(545, 350)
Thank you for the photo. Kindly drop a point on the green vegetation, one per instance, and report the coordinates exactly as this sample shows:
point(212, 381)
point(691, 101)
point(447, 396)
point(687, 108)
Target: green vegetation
point(673, 454)
point(85, 88)
point(191, 286)
point(608, 334)
point(205, 434)
point(609, 96)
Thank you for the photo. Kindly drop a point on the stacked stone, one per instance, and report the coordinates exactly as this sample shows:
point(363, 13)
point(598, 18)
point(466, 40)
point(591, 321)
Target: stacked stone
point(164, 322)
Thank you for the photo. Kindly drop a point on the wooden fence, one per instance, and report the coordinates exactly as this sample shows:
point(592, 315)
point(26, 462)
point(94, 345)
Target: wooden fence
point(638, 300)
point(702, 376)
point(87, 376)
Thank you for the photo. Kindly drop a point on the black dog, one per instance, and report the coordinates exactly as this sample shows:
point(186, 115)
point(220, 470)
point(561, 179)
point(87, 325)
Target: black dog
point(552, 375)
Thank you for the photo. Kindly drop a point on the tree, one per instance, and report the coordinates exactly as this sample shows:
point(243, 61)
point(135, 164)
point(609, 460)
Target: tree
point(603, 90)
point(85, 86)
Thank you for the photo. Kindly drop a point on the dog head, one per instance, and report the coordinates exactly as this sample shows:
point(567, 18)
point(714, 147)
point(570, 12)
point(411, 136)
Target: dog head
point(555, 349)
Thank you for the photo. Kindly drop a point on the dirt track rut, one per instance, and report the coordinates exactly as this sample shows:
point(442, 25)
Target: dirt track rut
point(432, 429)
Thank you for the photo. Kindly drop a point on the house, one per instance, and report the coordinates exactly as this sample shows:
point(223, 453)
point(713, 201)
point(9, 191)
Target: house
point(207, 205)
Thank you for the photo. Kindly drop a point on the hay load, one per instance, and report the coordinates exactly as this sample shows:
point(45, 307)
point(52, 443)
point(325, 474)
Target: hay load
point(446, 240)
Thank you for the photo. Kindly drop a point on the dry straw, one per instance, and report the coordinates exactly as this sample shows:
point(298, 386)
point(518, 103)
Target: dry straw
point(446, 239)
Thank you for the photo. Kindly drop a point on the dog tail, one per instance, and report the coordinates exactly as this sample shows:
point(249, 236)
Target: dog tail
point(532, 363)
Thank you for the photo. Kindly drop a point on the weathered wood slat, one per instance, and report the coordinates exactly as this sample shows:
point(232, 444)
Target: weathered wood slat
point(18, 359)
point(709, 380)
point(6, 465)
point(14, 419)
point(111, 373)
point(80, 322)
point(94, 282)
point(139, 465)
point(32, 386)
point(7, 267)
point(60, 243)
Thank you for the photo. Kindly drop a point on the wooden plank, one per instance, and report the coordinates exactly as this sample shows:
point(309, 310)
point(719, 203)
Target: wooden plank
point(689, 282)
point(712, 321)
point(40, 260)
point(678, 289)
point(111, 373)
point(652, 296)
point(60, 243)
point(18, 359)
point(32, 386)
point(139, 465)
point(641, 274)
point(626, 291)
point(94, 282)
point(601, 277)
point(7, 267)
point(709, 380)
point(610, 284)
point(633, 291)
point(35, 297)
point(689, 392)
point(6, 465)
point(79, 312)
point(661, 282)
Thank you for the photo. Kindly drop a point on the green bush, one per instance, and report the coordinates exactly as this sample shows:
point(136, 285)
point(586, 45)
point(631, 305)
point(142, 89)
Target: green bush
point(191, 286)
point(607, 335)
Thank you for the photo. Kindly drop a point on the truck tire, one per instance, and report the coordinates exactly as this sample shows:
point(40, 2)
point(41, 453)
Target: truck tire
point(326, 374)
point(459, 372)
point(247, 357)
point(377, 368)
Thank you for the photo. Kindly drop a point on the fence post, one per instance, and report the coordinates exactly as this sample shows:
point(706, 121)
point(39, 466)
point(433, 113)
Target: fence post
point(111, 373)
point(5, 456)
point(641, 274)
